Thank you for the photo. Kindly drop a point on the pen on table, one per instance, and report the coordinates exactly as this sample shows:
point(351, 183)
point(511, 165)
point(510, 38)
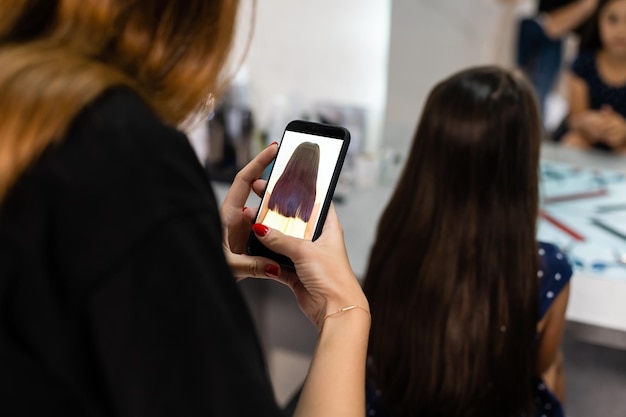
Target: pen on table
point(576, 196)
point(602, 225)
point(563, 227)
point(610, 207)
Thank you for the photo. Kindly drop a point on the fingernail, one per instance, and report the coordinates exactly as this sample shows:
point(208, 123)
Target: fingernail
point(244, 208)
point(271, 270)
point(260, 229)
point(273, 143)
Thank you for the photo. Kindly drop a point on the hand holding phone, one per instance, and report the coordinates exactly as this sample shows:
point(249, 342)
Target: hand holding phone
point(301, 184)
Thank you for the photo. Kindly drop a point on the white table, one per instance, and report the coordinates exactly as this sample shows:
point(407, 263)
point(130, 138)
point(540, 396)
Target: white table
point(597, 305)
point(595, 300)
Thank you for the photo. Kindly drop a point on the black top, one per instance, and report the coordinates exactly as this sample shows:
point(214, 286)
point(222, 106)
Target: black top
point(551, 5)
point(600, 93)
point(115, 297)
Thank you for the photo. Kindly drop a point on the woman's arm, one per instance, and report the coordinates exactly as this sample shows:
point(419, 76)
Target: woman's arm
point(551, 333)
point(324, 284)
point(563, 20)
point(587, 125)
point(335, 384)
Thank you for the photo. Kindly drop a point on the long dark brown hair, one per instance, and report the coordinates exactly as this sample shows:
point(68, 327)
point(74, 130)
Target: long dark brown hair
point(56, 56)
point(452, 277)
point(295, 191)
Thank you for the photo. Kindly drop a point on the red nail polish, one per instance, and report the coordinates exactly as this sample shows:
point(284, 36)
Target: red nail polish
point(273, 143)
point(271, 270)
point(244, 208)
point(260, 229)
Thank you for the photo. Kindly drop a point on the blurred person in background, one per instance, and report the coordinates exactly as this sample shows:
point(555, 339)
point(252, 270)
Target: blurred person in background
point(469, 307)
point(597, 83)
point(540, 41)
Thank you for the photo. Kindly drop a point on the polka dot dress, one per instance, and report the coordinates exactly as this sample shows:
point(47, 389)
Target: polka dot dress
point(554, 274)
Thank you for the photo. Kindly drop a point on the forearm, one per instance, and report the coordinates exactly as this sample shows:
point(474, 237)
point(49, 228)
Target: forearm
point(583, 124)
point(561, 21)
point(576, 121)
point(554, 377)
point(335, 385)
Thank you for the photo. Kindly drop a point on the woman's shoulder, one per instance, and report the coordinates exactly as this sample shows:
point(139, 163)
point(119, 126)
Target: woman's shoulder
point(124, 118)
point(117, 175)
point(554, 260)
point(554, 273)
point(584, 64)
point(117, 143)
point(120, 127)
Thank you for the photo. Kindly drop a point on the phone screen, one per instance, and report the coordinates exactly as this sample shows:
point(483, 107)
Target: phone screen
point(302, 180)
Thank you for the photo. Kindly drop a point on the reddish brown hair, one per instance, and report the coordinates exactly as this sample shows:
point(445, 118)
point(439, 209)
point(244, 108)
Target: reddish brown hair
point(58, 55)
point(295, 191)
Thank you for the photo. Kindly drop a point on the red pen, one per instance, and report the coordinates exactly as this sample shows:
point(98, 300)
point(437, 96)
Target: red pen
point(561, 226)
point(576, 196)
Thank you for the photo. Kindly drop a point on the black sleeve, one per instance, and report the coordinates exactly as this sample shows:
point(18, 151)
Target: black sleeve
point(140, 239)
point(122, 303)
point(172, 335)
point(583, 65)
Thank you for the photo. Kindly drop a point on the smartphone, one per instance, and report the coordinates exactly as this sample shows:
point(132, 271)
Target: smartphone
point(301, 183)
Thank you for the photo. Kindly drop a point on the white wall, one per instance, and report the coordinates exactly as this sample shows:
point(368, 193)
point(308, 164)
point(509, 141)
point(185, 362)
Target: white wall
point(303, 52)
point(431, 39)
point(383, 55)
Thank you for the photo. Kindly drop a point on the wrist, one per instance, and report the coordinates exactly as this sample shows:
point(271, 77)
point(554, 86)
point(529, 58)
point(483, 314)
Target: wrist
point(350, 316)
point(347, 299)
point(355, 304)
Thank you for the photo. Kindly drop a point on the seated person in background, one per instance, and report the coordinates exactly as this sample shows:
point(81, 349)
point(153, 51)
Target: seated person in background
point(597, 83)
point(540, 41)
point(468, 308)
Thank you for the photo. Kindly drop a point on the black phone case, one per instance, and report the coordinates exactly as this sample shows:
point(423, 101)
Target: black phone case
point(254, 246)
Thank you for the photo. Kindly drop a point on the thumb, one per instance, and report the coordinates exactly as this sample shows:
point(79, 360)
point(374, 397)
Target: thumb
point(279, 242)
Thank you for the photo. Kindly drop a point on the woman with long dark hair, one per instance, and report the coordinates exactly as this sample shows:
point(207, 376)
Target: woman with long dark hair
point(291, 203)
point(597, 83)
point(118, 269)
point(462, 325)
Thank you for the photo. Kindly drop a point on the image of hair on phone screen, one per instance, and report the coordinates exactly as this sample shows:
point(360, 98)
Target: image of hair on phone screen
point(290, 204)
